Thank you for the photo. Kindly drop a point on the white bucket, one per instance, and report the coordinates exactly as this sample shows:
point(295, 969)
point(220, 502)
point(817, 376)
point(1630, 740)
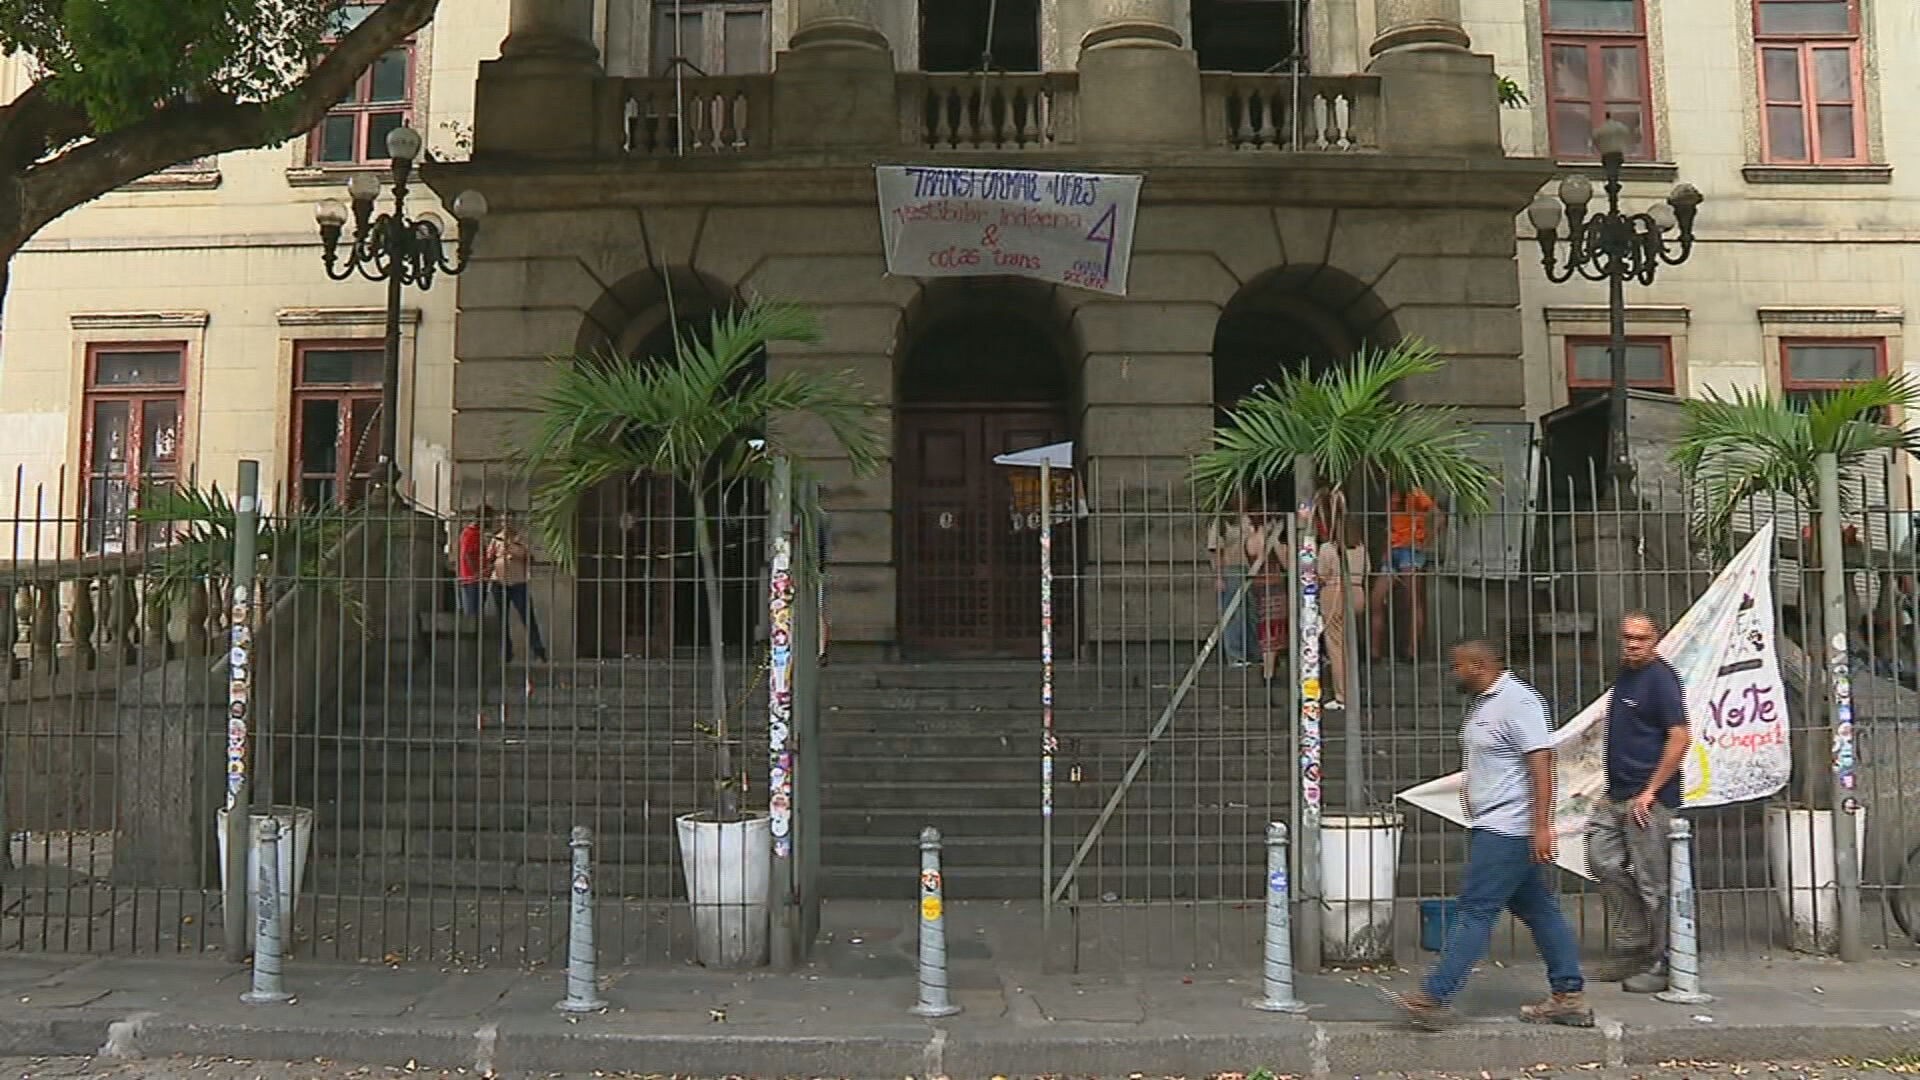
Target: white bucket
point(1805, 874)
point(728, 868)
point(1359, 857)
point(296, 839)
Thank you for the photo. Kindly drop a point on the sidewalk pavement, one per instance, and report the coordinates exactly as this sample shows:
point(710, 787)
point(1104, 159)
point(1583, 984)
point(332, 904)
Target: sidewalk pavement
point(818, 1022)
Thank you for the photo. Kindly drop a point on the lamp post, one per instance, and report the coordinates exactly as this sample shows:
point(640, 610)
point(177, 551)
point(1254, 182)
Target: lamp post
point(400, 251)
point(1616, 247)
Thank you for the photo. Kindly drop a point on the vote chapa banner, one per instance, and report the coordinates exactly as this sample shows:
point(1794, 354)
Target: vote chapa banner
point(1728, 659)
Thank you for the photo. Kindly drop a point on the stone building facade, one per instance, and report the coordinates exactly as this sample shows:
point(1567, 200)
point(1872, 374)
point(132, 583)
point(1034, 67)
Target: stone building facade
point(1392, 215)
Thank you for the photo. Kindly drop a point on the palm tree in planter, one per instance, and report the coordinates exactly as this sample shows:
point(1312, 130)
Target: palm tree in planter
point(1348, 422)
point(705, 419)
point(1753, 444)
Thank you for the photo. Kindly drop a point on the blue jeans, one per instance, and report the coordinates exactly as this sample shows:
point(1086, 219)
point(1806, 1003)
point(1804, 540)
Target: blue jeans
point(516, 597)
point(1237, 639)
point(470, 598)
point(1501, 875)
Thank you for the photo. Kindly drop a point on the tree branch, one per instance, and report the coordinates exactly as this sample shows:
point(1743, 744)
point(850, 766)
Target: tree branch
point(181, 131)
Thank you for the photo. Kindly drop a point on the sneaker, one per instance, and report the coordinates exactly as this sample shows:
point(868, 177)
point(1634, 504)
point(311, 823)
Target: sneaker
point(1422, 1011)
point(1566, 1010)
point(1649, 980)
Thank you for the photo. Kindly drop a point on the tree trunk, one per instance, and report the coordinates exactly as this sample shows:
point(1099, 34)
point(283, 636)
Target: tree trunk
point(727, 797)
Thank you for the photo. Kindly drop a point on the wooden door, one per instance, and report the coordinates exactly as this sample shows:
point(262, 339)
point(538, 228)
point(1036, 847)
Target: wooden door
point(625, 588)
point(969, 572)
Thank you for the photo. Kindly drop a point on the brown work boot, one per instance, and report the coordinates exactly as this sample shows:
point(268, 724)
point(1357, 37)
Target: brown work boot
point(1566, 1010)
point(1422, 1011)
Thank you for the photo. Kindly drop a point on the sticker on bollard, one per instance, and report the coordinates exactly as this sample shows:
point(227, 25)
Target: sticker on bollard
point(582, 978)
point(1276, 978)
point(934, 1000)
point(1683, 949)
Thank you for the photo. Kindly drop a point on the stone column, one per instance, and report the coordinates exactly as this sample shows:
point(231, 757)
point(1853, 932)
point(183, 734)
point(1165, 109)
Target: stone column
point(1139, 83)
point(1436, 96)
point(549, 67)
point(834, 86)
point(557, 31)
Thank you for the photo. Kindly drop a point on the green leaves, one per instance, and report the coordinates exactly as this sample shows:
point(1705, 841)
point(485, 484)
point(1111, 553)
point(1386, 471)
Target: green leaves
point(702, 416)
point(121, 60)
point(1751, 443)
point(200, 524)
point(1350, 424)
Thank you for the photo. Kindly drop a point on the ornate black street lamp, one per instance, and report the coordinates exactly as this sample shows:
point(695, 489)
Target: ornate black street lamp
point(400, 251)
point(1615, 247)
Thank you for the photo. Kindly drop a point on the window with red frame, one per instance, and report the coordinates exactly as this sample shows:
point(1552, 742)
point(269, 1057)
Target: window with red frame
point(134, 401)
point(355, 131)
point(1812, 108)
point(1811, 367)
point(1596, 54)
point(336, 421)
point(1590, 366)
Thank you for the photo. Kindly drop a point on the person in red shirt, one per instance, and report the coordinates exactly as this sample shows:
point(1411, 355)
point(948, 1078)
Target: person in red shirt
point(470, 562)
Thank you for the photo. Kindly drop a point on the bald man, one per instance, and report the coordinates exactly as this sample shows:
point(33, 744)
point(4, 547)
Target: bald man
point(1508, 799)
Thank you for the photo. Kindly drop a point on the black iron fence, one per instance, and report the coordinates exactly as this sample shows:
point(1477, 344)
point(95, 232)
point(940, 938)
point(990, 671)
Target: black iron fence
point(430, 708)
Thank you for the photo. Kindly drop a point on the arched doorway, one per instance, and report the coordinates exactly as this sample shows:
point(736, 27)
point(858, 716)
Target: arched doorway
point(985, 369)
point(638, 587)
point(1309, 319)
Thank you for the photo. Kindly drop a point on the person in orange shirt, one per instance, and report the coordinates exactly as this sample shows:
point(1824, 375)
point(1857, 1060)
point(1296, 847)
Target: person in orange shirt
point(1413, 524)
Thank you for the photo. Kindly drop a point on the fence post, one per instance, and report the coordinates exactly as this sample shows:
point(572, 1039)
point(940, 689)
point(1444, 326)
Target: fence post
point(934, 1001)
point(582, 982)
point(1305, 635)
point(267, 986)
point(1833, 591)
point(780, 663)
point(1276, 984)
point(246, 533)
point(1683, 936)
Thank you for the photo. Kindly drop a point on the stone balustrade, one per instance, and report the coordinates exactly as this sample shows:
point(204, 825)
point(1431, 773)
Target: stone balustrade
point(1313, 113)
point(95, 613)
point(697, 114)
point(1025, 111)
point(1028, 111)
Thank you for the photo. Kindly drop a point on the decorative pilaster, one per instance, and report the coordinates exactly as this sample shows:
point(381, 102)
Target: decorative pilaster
point(1424, 25)
point(1139, 83)
point(1436, 96)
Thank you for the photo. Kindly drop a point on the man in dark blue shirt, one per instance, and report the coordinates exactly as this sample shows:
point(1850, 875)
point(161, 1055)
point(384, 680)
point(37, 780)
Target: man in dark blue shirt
point(1647, 739)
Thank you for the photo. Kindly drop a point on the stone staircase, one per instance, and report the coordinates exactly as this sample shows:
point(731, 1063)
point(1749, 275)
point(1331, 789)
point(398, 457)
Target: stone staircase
point(461, 793)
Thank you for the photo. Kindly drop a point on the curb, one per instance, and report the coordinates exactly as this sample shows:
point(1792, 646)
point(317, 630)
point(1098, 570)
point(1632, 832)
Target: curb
point(1284, 1046)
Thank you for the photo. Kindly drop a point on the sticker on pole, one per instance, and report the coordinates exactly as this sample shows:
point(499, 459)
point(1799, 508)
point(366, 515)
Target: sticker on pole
point(929, 909)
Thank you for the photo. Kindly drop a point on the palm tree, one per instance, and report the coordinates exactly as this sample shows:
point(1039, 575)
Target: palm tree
point(1753, 443)
point(1348, 422)
point(701, 418)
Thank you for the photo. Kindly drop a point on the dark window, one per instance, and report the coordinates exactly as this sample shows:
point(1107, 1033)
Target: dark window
point(130, 439)
point(1596, 72)
point(336, 421)
point(1590, 366)
point(1247, 35)
point(953, 34)
point(1811, 368)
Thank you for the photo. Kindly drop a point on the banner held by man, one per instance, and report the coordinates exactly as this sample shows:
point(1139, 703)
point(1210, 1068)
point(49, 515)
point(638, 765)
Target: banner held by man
point(1726, 653)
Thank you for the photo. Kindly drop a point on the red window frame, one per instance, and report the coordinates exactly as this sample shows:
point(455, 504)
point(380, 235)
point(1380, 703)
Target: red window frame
point(1599, 108)
point(107, 526)
point(1578, 387)
point(363, 110)
point(1799, 389)
point(1805, 47)
point(355, 460)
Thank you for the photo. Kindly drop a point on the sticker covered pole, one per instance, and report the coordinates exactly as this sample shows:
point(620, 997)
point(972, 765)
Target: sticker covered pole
point(246, 533)
point(934, 999)
point(1833, 590)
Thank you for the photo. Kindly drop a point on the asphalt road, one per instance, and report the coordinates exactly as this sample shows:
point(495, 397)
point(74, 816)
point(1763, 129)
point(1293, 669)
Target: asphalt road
point(230, 1069)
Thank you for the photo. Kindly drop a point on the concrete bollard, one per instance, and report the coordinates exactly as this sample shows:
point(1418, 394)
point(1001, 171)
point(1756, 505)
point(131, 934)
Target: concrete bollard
point(934, 1001)
point(583, 991)
point(1276, 982)
point(1683, 946)
point(268, 988)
